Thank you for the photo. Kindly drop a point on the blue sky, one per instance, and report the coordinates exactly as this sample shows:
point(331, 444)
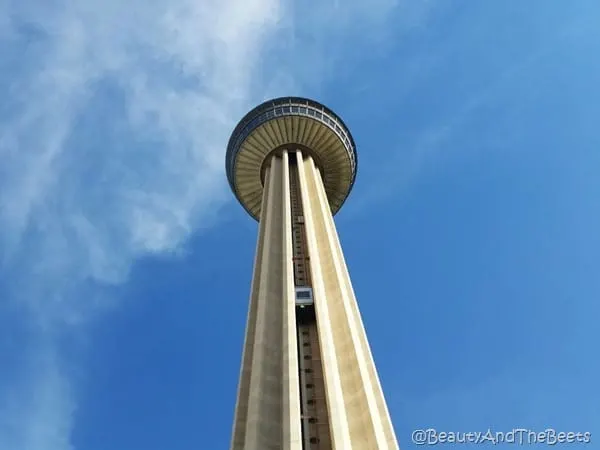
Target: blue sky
point(471, 234)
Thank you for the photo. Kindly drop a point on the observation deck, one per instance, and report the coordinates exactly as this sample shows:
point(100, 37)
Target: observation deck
point(290, 123)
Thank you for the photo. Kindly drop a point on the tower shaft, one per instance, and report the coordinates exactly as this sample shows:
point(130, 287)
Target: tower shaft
point(308, 380)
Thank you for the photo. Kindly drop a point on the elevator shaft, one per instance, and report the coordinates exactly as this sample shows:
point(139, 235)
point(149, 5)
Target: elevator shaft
point(313, 402)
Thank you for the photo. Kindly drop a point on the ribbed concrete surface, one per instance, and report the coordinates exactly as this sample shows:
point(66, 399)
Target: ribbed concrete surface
point(268, 406)
point(267, 411)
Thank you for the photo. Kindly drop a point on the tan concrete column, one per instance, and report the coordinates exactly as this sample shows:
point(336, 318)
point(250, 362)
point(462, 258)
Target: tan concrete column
point(263, 419)
point(358, 416)
point(376, 404)
point(292, 429)
point(268, 406)
point(340, 434)
point(241, 406)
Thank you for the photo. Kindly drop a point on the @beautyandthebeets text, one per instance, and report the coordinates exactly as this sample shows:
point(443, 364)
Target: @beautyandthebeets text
point(517, 436)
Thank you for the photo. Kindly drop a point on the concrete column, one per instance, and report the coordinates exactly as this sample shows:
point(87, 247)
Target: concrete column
point(338, 421)
point(375, 402)
point(292, 430)
point(359, 418)
point(241, 407)
point(268, 406)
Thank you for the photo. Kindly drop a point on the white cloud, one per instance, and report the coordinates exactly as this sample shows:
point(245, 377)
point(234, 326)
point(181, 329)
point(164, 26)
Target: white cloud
point(162, 83)
point(183, 69)
point(78, 209)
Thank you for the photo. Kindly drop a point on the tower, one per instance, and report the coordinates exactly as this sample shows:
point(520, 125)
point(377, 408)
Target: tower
point(308, 381)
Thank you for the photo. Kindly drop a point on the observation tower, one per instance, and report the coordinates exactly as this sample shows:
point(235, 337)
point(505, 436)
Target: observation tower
point(308, 380)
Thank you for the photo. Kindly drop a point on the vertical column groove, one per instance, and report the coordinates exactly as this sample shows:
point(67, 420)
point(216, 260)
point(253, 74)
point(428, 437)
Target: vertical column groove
point(315, 418)
point(292, 432)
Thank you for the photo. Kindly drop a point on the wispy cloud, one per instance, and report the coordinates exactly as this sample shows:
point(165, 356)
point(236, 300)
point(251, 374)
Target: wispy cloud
point(182, 69)
point(87, 185)
point(112, 132)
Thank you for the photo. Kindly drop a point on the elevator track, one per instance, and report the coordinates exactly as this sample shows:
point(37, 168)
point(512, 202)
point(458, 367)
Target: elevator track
point(315, 423)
